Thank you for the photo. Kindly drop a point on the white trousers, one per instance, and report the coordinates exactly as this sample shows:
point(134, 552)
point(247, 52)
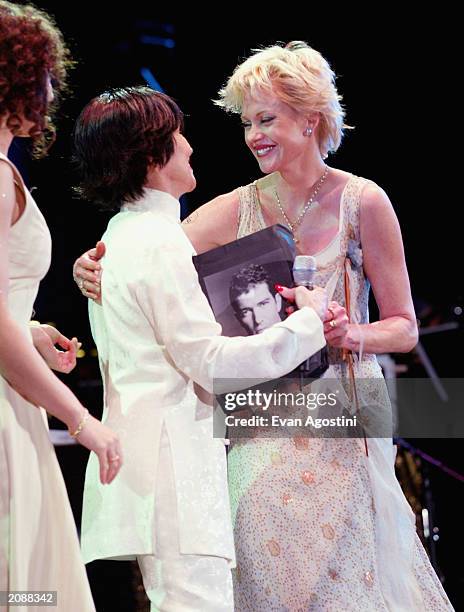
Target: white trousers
point(176, 582)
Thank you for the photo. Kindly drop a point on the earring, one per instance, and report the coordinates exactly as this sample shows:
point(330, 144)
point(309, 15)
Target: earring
point(308, 131)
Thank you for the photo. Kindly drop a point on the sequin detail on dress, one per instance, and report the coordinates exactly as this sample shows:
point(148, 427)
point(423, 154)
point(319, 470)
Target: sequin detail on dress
point(320, 551)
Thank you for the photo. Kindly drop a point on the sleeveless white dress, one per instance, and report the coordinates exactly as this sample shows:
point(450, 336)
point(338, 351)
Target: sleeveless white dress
point(318, 524)
point(39, 548)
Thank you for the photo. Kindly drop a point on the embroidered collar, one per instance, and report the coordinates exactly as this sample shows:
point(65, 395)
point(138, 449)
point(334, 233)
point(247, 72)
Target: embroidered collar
point(155, 201)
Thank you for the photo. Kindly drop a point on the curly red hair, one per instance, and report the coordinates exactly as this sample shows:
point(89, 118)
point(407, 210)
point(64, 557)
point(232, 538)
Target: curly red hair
point(32, 50)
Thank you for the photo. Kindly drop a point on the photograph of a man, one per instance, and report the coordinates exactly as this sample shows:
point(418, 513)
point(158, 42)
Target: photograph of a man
point(255, 302)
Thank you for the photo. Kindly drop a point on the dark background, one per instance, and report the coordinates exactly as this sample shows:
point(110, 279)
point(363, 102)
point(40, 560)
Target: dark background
point(399, 96)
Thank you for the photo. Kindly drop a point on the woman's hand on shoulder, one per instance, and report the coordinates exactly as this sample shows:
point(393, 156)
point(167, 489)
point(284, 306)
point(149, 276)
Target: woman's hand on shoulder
point(87, 271)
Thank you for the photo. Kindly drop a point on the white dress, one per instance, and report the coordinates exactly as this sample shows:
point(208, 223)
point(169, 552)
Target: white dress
point(318, 524)
point(39, 548)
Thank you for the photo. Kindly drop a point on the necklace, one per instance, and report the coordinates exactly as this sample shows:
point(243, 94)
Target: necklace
point(293, 226)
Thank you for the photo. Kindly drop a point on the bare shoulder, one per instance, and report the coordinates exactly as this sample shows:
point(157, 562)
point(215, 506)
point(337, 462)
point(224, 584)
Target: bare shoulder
point(214, 223)
point(373, 197)
point(6, 173)
point(378, 221)
point(225, 204)
point(375, 205)
point(7, 190)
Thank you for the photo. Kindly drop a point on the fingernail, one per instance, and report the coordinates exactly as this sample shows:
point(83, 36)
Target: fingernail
point(278, 288)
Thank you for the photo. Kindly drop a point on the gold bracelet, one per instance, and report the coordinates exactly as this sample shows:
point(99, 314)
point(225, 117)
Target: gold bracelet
point(80, 427)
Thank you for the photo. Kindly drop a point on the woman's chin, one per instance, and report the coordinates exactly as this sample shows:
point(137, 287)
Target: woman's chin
point(267, 166)
point(193, 184)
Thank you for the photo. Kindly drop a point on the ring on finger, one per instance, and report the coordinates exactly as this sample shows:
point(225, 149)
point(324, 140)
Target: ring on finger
point(113, 459)
point(333, 323)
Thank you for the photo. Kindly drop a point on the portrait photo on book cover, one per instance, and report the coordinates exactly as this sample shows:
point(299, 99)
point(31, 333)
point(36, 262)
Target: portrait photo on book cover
point(239, 278)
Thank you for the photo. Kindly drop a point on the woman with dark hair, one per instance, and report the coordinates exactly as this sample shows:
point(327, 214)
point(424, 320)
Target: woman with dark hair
point(156, 338)
point(39, 549)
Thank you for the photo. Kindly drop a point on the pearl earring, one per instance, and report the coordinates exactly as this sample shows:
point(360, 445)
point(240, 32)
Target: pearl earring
point(308, 131)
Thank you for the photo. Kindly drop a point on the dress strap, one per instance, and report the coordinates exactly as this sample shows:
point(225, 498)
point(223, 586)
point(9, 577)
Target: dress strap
point(17, 177)
point(18, 182)
point(350, 207)
point(250, 218)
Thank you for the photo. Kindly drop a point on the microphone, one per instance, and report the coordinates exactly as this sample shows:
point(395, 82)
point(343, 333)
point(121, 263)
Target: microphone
point(304, 268)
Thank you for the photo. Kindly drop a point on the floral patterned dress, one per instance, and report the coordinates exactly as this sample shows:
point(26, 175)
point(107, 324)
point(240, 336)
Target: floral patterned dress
point(319, 524)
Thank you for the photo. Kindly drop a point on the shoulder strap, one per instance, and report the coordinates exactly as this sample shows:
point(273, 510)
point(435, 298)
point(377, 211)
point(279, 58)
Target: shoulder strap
point(18, 181)
point(247, 221)
point(351, 231)
point(351, 204)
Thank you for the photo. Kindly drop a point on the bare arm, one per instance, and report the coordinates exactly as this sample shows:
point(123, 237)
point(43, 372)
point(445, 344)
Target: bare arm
point(20, 363)
point(24, 369)
point(214, 223)
point(385, 266)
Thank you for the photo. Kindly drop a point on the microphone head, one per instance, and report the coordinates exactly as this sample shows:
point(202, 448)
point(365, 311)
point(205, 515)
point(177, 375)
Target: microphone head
point(305, 262)
point(304, 268)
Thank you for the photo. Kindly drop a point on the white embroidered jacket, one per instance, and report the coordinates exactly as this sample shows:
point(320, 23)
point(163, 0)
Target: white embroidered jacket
point(155, 334)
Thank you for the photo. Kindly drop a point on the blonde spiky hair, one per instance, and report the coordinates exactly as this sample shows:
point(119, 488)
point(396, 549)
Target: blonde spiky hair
point(299, 76)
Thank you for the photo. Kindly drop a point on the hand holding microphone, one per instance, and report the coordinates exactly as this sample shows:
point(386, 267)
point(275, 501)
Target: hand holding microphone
point(315, 299)
point(334, 316)
point(305, 294)
point(304, 268)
